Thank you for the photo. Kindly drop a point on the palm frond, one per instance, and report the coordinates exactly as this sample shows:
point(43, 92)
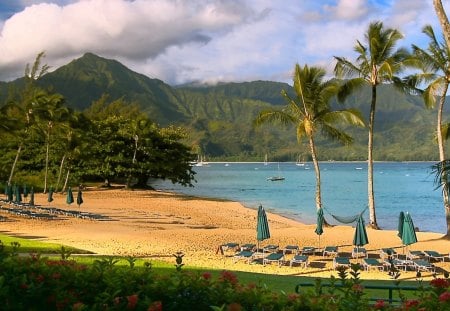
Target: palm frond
point(348, 87)
point(441, 171)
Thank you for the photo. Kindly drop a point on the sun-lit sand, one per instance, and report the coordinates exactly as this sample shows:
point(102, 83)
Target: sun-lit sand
point(156, 225)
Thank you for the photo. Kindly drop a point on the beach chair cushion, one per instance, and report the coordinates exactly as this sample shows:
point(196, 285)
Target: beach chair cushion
point(247, 255)
point(274, 257)
point(359, 252)
point(414, 255)
point(341, 262)
point(290, 249)
point(423, 265)
point(386, 252)
point(248, 247)
point(369, 263)
point(330, 250)
point(434, 255)
point(308, 250)
point(398, 264)
point(300, 259)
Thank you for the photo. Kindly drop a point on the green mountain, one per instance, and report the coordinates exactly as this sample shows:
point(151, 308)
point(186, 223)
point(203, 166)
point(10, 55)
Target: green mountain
point(219, 117)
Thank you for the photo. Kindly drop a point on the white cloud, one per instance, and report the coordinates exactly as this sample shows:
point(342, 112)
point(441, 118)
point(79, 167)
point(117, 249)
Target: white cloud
point(205, 40)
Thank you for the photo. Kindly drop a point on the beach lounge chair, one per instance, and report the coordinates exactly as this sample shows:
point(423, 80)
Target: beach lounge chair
point(308, 250)
point(330, 251)
point(372, 263)
point(302, 260)
point(412, 255)
point(359, 252)
point(291, 249)
point(423, 265)
point(341, 262)
point(227, 247)
point(244, 255)
point(434, 255)
point(274, 257)
point(248, 247)
point(386, 252)
point(270, 248)
point(398, 263)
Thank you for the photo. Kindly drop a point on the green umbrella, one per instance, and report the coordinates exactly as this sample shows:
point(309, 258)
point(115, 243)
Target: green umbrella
point(10, 193)
point(32, 196)
point(262, 225)
point(401, 219)
point(6, 190)
point(408, 231)
point(69, 199)
point(50, 195)
point(25, 191)
point(360, 237)
point(320, 220)
point(79, 197)
point(18, 198)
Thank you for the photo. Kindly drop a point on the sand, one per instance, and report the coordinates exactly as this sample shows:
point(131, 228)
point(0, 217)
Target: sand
point(156, 225)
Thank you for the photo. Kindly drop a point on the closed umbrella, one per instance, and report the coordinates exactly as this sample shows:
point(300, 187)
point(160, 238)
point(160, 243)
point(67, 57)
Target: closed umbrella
point(69, 199)
point(79, 197)
point(360, 237)
point(32, 196)
point(401, 219)
point(17, 193)
point(25, 191)
point(10, 193)
point(6, 190)
point(50, 195)
point(408, 232)
point(262, 225)
point(319, 224)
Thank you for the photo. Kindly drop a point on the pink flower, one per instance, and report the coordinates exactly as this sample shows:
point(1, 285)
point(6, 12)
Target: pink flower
point(440, 283)
point(155, 306)
point(227, 276)
point(132, 301)
point(379, 304)
point(206, 275)
point(77, 306)
point(444, 297)
point(234, 307)
point(358, 288)
point(411, 303)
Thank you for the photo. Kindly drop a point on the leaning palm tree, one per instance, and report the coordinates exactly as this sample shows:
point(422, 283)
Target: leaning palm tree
point(310, 111)
point(377, 62)
point(435, 65)
point(442, 173)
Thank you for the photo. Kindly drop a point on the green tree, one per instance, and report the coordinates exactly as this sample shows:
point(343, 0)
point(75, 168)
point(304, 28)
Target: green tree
point(435, 65)
point(377, 62)
point(309, 111)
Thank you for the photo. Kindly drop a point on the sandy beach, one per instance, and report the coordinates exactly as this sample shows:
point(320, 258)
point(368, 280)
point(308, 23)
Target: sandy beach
point(156, 225)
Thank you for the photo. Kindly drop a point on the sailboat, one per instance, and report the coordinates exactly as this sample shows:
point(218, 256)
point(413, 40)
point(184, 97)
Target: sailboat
point(276, 178)
point(265, 160)
point(299, 163)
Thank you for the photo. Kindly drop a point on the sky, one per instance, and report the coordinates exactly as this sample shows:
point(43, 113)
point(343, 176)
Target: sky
point(204, 41)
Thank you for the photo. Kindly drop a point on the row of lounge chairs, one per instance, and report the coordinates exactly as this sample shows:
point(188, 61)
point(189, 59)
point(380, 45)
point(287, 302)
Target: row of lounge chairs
point(414, 260)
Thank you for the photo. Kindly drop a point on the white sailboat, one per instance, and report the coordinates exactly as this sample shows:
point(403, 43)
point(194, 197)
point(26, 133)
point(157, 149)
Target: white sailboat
point(265, 160)
point(277, 177)
point(299, 162)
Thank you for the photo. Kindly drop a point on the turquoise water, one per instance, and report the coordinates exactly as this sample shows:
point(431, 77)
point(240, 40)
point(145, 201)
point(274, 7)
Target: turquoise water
point(405, 186)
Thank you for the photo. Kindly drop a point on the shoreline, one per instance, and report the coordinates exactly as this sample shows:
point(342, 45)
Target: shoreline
point(156, 225)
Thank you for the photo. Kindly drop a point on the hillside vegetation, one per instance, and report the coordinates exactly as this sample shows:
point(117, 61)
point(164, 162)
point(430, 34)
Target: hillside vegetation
point(219, 117)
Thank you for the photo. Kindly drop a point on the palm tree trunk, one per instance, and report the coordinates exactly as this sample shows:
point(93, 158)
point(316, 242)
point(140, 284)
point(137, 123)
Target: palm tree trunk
point(66, 181)
point(14, 164)
point(443, 20)
point(441, 147)
point(46, 167)
point(371, 196)
point(317, 170)
point(60, 172)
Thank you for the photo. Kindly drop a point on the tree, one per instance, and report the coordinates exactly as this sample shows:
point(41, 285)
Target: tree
point(309, 111)
point(443, 20)
point(377, 62)
point(435, 65)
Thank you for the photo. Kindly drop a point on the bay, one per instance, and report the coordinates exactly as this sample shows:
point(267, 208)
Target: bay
point(399, 186)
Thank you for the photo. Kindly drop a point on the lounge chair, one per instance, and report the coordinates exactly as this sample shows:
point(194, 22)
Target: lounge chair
point(308, 250)
point(434, 255)
point(330, 251)
point(412, 255)
point(227, 247)
point(359, 252)
point(341, 262)
point(244, 255)
point(423, 265)
point(270, 248)
point(248, 247)
point(302, 260)
point(399, 264)
point(372, 263)
point(274, 257)
point(291, 249)
point(386, 252)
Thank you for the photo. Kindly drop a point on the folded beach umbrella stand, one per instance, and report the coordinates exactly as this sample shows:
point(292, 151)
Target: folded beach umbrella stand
point(360, 237)
point(262, 226)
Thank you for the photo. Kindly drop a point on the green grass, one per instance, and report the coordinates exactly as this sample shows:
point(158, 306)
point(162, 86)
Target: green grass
point(284, 283)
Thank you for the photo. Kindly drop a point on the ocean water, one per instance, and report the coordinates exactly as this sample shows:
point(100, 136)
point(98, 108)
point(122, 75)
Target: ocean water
point(398, 186)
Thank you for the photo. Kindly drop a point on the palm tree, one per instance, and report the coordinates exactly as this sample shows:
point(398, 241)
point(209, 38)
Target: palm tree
point(435, 65)
point(309, 111)
point(377, 62)
point(443, 20)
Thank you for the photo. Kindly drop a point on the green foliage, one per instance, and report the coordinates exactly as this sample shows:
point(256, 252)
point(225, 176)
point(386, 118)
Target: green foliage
point(37, 283)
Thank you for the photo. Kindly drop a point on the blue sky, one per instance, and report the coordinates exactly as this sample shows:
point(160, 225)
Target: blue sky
point(180, 41)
